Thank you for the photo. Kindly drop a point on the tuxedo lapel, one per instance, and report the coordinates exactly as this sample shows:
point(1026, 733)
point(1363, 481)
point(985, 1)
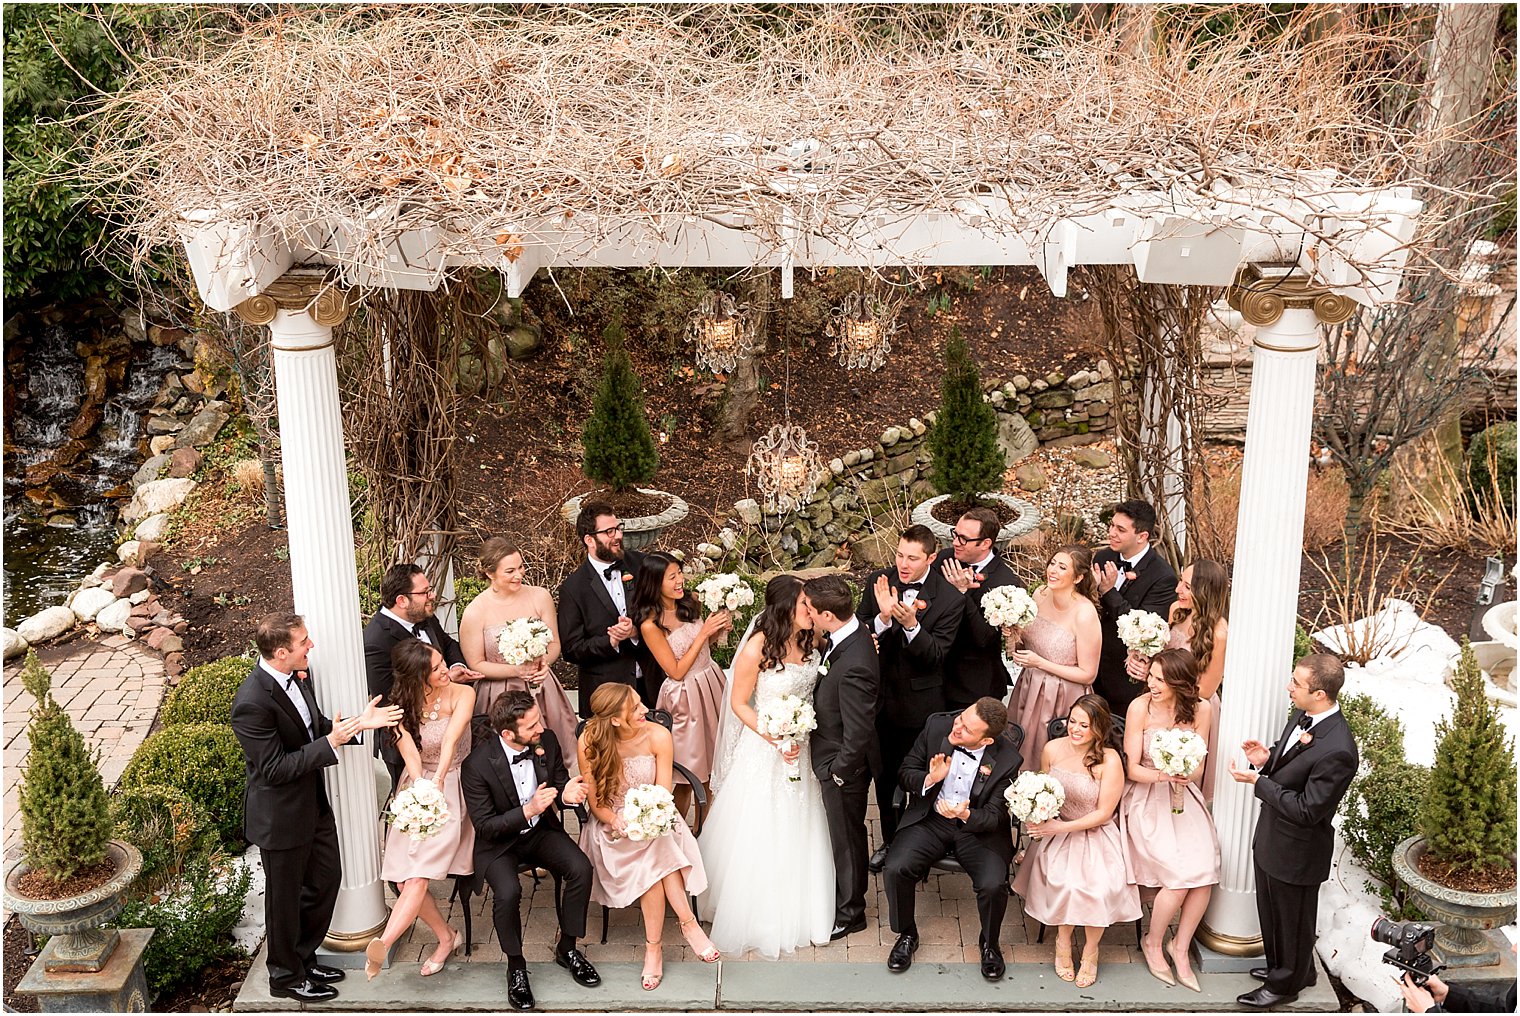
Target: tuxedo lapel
point(1285, 742)
point(282, 700)
point(503, 773)
point(599, 588)
point(984, 768)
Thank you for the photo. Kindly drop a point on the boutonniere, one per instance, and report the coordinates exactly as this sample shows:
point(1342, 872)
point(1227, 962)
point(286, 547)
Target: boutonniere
point(301, 675)
point(1305, 738)
point(823, 668)
point(627, 577)
point(1129, 576)
point(986, 770)
point(539, 751)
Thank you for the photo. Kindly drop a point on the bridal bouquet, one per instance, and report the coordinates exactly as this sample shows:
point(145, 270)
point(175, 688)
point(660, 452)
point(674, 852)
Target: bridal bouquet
point(1035, 797)
point(1177, 752)
point(649, 811)
point(724, 591)
point(523, 639)
point(420, 810)
point(1008, 606)
point(1143, 632)
point(791, 718)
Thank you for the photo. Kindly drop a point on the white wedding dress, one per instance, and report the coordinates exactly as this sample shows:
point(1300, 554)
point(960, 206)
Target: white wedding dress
point(765, 843)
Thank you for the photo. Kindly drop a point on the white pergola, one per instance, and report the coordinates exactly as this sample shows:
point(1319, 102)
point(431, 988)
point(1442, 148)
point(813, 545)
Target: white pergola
point(1293, 263)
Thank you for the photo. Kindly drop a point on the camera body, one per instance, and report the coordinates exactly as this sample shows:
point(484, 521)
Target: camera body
point(1411, 942)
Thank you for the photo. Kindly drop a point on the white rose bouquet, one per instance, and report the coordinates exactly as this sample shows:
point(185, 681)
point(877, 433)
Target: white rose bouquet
point(1008, 606)
point(1177, 752)
point(523, 639)
point(1035, 797)
point(724, 591)
point(1143, 632)
point(791, 718)
point(420, 810)
point(649, 811)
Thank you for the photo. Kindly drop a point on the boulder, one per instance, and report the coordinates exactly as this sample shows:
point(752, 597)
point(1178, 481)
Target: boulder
point(15, 645)
point(138, 624)
point(174, 664)
point(204, 425)
point(1030, 476)
point(1015, 438)
point(130, 552)
point(140, 597)
point(129, 581)
point(875, 550)
point(748, 511)
point(183, 462)
point(157, 637)
point(162, 424)
point(46, 624)
point(152, 528)
point(89, 602)
point(1092, 458)
point(158, 496)
point(114, 617)
point(161, 443)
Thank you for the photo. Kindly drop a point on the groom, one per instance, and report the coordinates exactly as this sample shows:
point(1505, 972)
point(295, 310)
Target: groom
point(845, 705)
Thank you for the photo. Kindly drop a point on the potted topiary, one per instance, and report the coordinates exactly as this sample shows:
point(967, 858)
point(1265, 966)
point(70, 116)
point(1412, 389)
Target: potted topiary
point(967, 467)
point(72, 877)
point(1460, 867)
point(620, 453)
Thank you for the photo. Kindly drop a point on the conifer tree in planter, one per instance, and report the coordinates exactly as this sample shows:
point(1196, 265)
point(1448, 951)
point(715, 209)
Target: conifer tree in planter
point(967, 467)
point(1461, 865)
point(620, 451)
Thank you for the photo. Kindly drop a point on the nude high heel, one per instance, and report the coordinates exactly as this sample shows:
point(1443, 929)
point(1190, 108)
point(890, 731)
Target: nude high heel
point(708, 955)
point(374, 957)
point(651, 981)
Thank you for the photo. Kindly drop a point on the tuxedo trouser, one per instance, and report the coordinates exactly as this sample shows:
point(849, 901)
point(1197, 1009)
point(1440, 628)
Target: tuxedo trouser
point(914, 852)
point(543, 846)
point(301, 889)
point(1287, 914)
point(895, 744)
point(845, 808)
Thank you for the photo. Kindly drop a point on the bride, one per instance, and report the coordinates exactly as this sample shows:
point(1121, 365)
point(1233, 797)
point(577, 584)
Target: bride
point(765, 844)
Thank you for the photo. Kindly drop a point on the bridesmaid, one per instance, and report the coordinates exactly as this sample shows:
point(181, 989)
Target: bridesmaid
point(1178, 854)
point(620, 748)
point(694, 691)
point(1074, 873)
point(1061, 646)
point(434, 740)
point(508, 598)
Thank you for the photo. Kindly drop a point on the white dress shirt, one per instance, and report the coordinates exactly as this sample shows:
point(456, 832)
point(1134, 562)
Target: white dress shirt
point(843, 632)
point(956, 786)
point(287, 684)
point(1129, 566)
point(613, 585)
point(523, 777)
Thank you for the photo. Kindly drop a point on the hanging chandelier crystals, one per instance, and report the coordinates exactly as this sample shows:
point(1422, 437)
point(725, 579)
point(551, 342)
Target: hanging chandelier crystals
point(862, 328)
point(786, 466)
point(721, 330)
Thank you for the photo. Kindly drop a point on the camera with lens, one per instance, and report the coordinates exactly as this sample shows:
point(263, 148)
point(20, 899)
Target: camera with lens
point(1411, 942)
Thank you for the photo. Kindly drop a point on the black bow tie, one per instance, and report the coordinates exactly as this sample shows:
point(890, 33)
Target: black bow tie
point(966, 752)
point(611, 570)
point(523, 757)
point(417, 632)
point(915, 586)
point(1129, 565)
point(1305, 722)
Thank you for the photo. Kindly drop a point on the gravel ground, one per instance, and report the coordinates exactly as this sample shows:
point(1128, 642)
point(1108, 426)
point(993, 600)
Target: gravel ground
point(1072, 488)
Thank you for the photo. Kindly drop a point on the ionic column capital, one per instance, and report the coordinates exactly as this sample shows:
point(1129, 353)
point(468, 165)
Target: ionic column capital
point(309, 290)
point(1261, 292)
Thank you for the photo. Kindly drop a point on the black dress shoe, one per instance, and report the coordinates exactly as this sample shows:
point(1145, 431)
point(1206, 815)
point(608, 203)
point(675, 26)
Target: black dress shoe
point(841, 930)
point(901, 956)
point(1260, 973)
point(323, 974)
point(305, 991)
point(1263, 998)
point(519, 994)
point(993, 967)
point(580, 968)
point(878, 860)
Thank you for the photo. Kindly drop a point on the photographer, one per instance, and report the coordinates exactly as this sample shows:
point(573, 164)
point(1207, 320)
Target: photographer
point(1438, 996)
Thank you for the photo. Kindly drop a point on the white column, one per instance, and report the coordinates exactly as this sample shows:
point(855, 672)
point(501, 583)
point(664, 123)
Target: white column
point(323, 575)
point(1264, 593)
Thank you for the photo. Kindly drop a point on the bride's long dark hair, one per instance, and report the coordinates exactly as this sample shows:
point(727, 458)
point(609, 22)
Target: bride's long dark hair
point(776, 622)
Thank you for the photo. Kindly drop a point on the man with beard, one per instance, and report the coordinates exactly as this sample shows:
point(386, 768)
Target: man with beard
point(596, 633)
point(974, 666)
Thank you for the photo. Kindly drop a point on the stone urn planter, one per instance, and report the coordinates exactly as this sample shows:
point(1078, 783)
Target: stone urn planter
point(1464, 916)
point(78, 943)
point(643, 531)
point(1026, 521)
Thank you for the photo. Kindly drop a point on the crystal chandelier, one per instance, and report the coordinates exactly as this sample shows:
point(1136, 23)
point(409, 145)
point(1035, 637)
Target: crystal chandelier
point(721, 331)
point(862, 328)
point(786, 466)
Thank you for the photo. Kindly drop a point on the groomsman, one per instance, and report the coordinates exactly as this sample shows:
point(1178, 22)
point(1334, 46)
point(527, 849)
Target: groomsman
point(1130, 575)
point(407, 614)
point(511, 784)
point(286, 813)
point(955, 778)
point(1299, 781)
point(972, 566)
point(596, 633)
point(915, 615)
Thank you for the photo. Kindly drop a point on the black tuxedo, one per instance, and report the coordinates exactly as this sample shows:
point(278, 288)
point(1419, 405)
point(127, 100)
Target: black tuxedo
point(983, 842)
point(844, 754)
point(504, 840)
point(586, 611)
point(974, 666)
point(912, 675)
point(382, 635)
point(1300, 788)
point(287, 815)
point(1153, 588)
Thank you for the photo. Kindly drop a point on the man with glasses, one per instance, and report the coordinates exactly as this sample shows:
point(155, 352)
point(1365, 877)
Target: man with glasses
point(596, 633)
point(974, 666)
point(407, 613)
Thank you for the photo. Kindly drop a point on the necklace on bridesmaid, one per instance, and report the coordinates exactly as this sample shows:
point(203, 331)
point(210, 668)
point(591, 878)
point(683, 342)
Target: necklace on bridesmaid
point(430, 708)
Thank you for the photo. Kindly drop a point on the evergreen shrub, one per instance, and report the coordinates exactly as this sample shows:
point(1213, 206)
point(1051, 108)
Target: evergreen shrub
point(205, 693)
point(967, 461)
point(206, 762)
point(165, 825)
point(192, 920)
point(1491, 466)
point(619, 448)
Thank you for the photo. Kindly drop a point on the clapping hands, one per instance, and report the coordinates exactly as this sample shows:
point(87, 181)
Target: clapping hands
point(953, 809)
point(576, 791)
point(939, 768)
point(621, 631)
point(958, 575)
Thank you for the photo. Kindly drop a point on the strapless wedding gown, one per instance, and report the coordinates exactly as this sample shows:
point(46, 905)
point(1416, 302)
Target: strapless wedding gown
point(765, 844)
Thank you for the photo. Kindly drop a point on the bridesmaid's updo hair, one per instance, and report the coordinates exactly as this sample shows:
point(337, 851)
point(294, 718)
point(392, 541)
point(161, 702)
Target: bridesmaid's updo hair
point(600, 739)
point(411, 663)
point(493, 552)
point(777, 620)
point(1100, 724)
point(1081, 566)
point(1179, 669)
point(648, 581)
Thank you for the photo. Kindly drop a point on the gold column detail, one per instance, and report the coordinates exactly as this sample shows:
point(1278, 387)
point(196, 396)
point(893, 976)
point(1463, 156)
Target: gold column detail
point(1261, 292)
point(301, 289)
